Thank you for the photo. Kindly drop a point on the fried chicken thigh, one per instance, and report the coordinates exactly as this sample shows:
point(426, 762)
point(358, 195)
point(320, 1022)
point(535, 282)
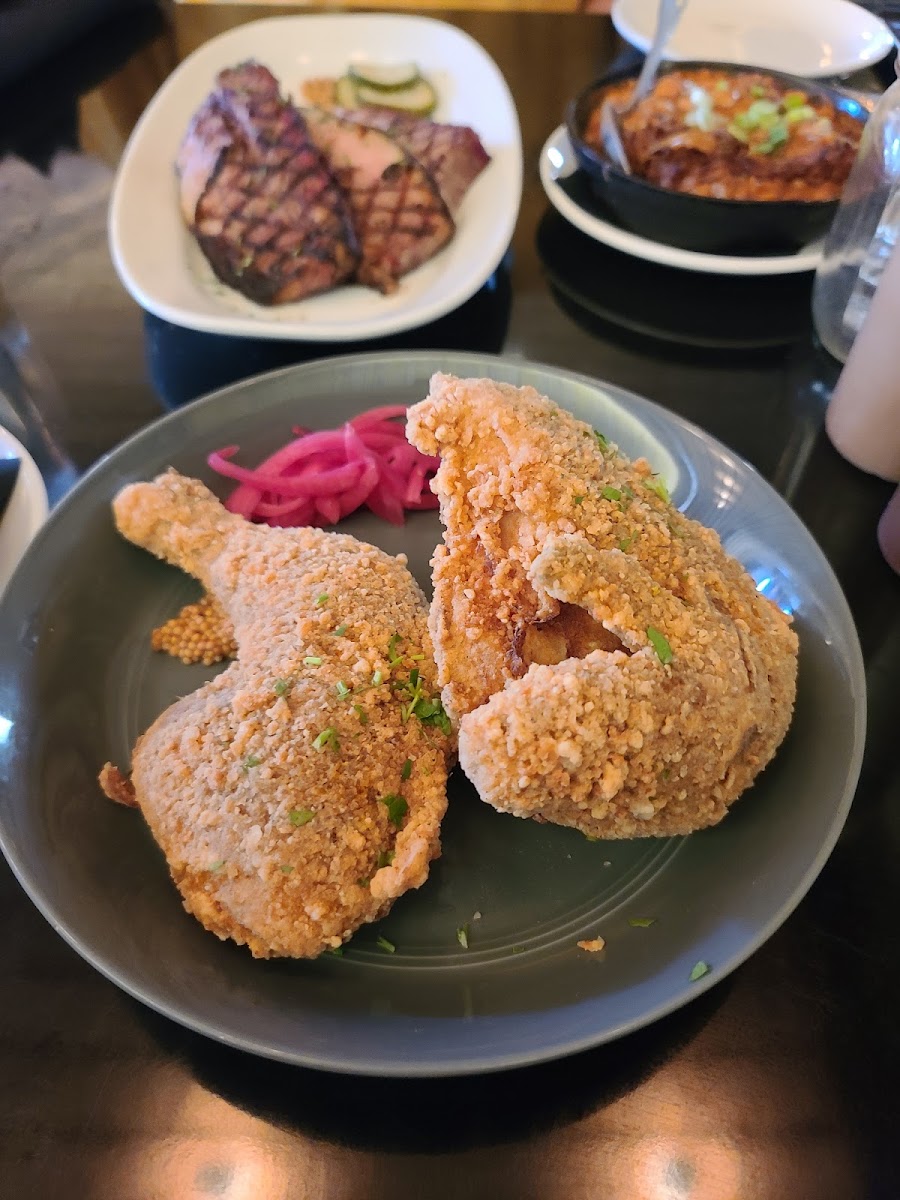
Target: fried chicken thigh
point(301, 791)
point(611, 667)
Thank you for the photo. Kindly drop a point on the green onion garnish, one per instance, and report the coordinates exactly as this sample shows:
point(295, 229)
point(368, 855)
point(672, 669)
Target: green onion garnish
point(385, 945)
point(793, 100)
point(658, 488)
point(393, 656)
point(578, 499)
point(217, 865)
point(397, 808)
point(361, 713)
point(280, 687)
point(250, 761)
point(377, 678)
point(312, 660)
point(406, 770)
point(756, 90)
point(286, 868)
point(328, 737)
point(337, 951)
point(641, 922)
point(660, 645)
point(340, 631)
point(626, 543)
point(385, 858)
point(602, 442)
point(698, 970)
point(300, 816)
point(462, 936)
point(320, 600)
point(342, 690)
point(611, 493)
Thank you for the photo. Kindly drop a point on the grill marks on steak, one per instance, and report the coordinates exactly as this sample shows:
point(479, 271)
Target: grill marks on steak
point(398, 212)
point(452, 154)
point(265, 209)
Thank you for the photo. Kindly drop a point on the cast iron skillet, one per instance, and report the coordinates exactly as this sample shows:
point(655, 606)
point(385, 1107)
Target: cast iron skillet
point(700, 222)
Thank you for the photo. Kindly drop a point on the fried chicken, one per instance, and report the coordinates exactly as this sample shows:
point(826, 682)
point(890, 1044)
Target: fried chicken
point(299, 793)
point(611, 667)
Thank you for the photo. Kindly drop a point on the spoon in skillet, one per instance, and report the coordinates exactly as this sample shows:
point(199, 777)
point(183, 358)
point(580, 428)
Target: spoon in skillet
point(669, 15)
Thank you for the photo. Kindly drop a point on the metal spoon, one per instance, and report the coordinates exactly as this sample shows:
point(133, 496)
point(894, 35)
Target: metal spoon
point(669, 15)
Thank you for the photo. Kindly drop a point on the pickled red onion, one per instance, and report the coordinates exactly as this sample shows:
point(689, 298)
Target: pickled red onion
point(321, 477)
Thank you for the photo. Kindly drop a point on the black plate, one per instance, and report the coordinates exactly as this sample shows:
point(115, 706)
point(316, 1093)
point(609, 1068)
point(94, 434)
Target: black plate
point(701, 222)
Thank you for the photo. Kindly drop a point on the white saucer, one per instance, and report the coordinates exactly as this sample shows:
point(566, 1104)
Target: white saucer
point(813, 38)
point(27, 509)
point(558, 161)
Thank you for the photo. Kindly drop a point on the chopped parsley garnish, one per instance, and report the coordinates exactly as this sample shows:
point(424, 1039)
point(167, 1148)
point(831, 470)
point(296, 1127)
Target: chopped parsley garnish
point(217, 865)
point(250, 761)
point(281, 687)
point(698, 970)
point(611, 493)
point(361, 713)
point(301, 816)
point(312, 660)
point(462, 936)
point(340, 631)
point(393, 657)
point(342, 690)
point(328, 737)
point(385, 945)
point(397, 808)
point(406, 770)
point(286, 868)
point(660, 645)
point(320, 600)
point(658, 488)
point(641, 922)
point(578, 499)
point(385, 858)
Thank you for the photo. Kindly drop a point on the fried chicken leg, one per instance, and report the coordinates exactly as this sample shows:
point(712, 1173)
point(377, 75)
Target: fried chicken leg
point(301, 791)
point(612, 668)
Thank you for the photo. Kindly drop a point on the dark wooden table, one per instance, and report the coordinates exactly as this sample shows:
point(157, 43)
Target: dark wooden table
point(780, 1084)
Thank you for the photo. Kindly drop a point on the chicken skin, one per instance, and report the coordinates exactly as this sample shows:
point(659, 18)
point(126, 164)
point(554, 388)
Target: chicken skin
point(299, 793)
point(611, 667)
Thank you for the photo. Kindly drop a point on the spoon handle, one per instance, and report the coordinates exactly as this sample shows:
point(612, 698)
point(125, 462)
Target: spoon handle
point(669, 15)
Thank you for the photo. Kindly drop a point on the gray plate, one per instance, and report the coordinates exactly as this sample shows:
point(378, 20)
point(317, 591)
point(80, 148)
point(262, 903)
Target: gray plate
point(78, 683)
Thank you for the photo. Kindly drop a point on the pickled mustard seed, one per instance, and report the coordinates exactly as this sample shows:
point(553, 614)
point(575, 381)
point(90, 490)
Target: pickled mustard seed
point(406, 770)
point(660, 645)
point(328, 737)
point(250, 761)
point(698, 970)
point(462, 936)
point(342, 690)
point(286, 868)
point(320, 600)
point(281, 687)
point(658, 488)
point(300, 816)
point(396, 806)
point(340, 631)
point(385, 945)
point(641, 922)
point(312, 660)
point(385, 858)
point(217, 865)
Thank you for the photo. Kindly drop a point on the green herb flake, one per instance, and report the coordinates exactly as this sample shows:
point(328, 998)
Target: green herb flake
point(658, 488)
point(397, 808)
point(665, 773)
point(286, 868)
point(377, 678)
point(793, 100)
point(361, 713)
point(795, 115)
point(328, 737)
point(340, 631)
point(431, 712)
point(312, 660)
point(626, 543)
point(250, 761)
point(406, 770)
point(641, 922)
point(300, 816)
point(462, 936)
point(660, 645)
point(415, 657)
point(698, 970)
point(335, 951)
point(385, 858)
point(393, 657)
point(320, 600)
point(611, 493)
point(578, 499)
point(342, 690)
point(385, 945)
point(217, 865)
point(602, 441)
point(281, 687)
point(756, 91)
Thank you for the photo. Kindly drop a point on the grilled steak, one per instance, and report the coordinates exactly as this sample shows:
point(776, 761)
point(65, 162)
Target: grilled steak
point(452, 154)
point(400, 218)
point(263, 205)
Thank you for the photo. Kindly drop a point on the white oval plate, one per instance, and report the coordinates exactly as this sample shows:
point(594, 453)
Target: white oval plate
point(159, 261)
point(814, 38)
point(558, 161)
point(27, 509)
